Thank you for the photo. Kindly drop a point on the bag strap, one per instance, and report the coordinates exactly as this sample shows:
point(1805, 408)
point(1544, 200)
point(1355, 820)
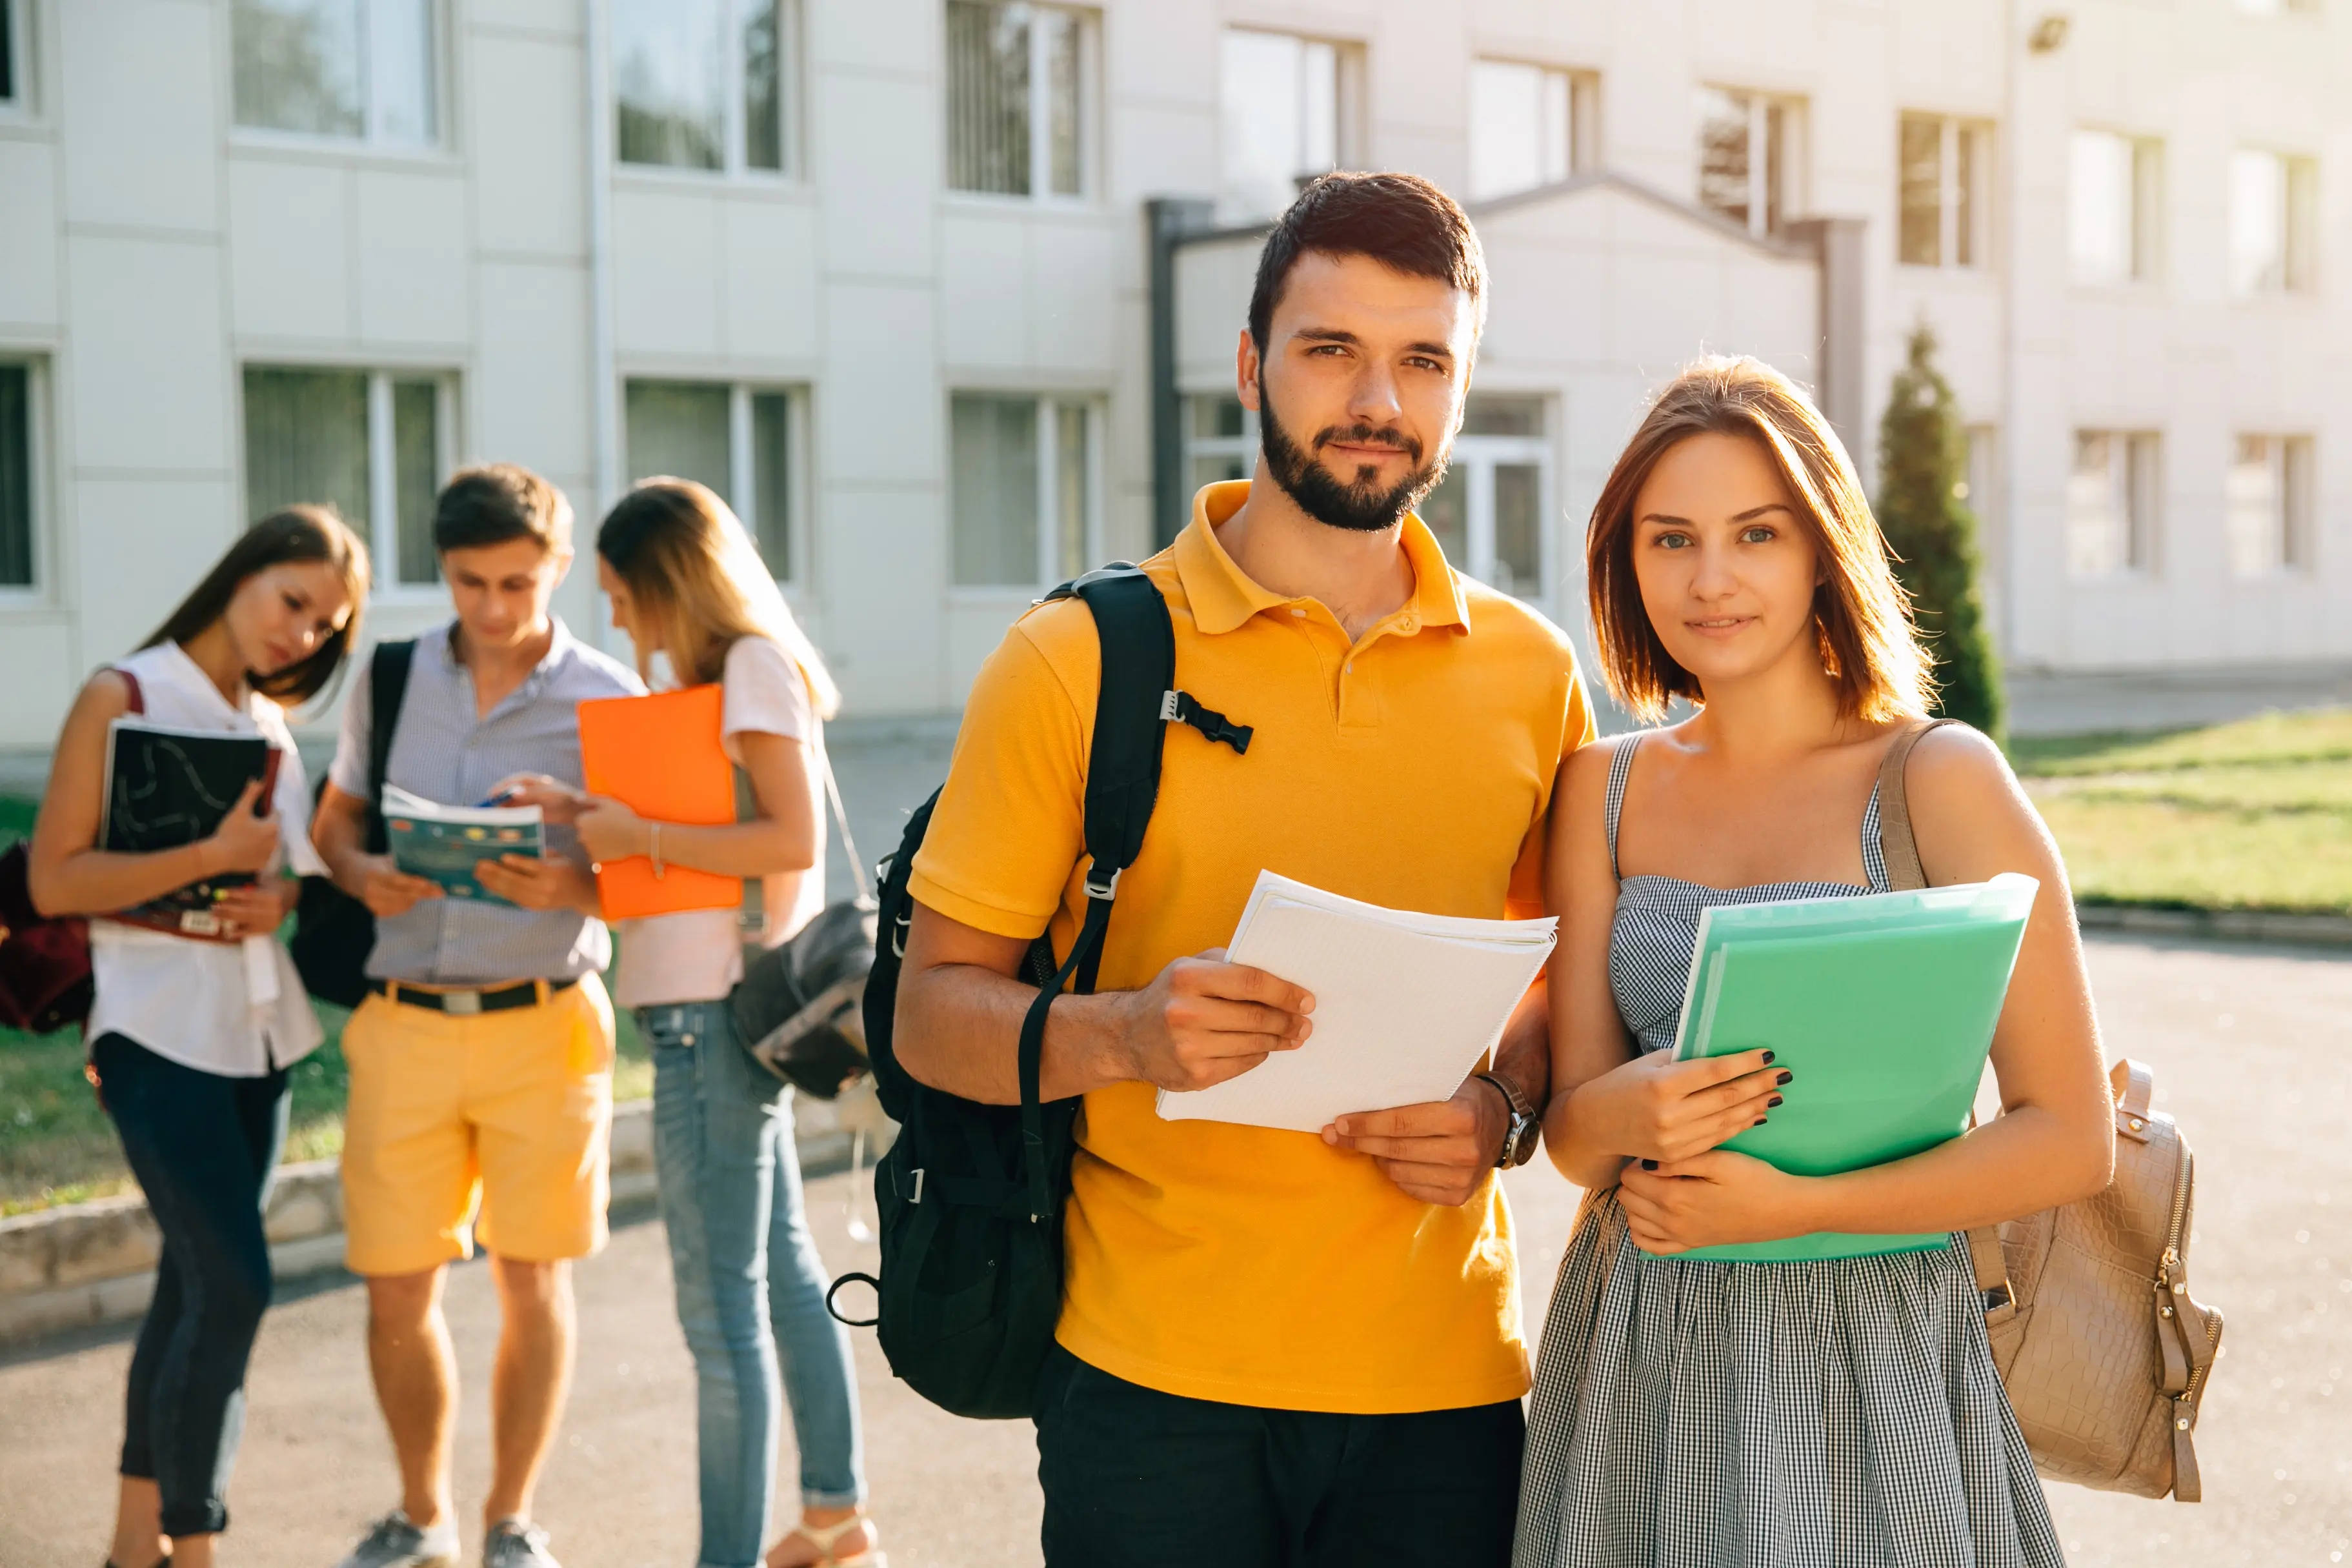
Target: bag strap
point(138, 693)
point(1896, 844)
point(388, 668)
point(841, 821)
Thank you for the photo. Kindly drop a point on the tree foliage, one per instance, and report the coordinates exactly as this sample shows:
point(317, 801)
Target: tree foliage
point(1922, 466)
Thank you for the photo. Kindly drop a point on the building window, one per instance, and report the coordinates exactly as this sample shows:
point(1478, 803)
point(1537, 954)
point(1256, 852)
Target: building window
point(744, 442)
point(2278, 7)
point(371, 443)
point(19, 491)
point(1221, 441)
point(2112, 206)
point(13, 54)
point(2270, 493)
point(1530, 126)
point(1287, 114)
point(1941, 201)
point(700, 84)
point(1020, 98)
point(1027, 477)
point(1489, 511)
point(1749, 158)
point(363, 70)
point(2111, 501)
point(2274, 220)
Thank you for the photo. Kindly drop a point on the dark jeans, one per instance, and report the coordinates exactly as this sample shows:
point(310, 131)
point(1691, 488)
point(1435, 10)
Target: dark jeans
point(1137, 1478)
point(204, 1148)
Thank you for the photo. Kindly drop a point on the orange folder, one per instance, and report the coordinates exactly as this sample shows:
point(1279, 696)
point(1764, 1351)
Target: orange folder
point(660, 756)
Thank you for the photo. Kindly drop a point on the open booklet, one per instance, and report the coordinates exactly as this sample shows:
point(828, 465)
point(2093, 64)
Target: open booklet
point(1406, 1004)
point(445, 843)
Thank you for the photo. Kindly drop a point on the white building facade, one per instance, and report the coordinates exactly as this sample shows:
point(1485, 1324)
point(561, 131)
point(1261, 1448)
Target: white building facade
point(942, 294)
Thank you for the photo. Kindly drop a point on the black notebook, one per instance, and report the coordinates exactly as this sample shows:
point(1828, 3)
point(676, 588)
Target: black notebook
point(166, 788)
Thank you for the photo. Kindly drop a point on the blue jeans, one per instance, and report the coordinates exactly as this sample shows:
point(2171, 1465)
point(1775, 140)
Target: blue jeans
point(204, 1148)
point(731, 1197)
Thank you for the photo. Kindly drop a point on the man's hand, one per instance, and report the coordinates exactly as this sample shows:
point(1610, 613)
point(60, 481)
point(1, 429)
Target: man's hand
point(1439, 1153)
point(387, 889)
point(1202, 1021)
point(529, 882)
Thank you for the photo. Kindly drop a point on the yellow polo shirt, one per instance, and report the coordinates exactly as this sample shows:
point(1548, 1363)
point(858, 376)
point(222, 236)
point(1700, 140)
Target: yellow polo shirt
point(1412, 768)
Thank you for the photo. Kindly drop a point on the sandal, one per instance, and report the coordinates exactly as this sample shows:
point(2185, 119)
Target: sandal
point(823, 1536)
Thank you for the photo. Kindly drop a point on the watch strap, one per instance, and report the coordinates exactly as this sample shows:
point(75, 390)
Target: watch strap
point(1516, 1144)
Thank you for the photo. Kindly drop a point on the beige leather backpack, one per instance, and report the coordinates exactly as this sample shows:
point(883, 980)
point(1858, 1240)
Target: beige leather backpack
point(2103, 1353)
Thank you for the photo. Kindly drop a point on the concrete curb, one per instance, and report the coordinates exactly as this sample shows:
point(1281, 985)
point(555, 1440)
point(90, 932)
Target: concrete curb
point(82, 1265)
point(2218, 925)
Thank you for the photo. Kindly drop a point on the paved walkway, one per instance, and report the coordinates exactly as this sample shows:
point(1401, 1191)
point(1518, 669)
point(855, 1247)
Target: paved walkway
point(2248, 1047)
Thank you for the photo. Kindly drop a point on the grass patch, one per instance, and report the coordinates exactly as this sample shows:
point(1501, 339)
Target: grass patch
point(2251, 814)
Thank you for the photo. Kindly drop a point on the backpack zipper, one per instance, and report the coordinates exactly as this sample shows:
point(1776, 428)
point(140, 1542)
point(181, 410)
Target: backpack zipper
point(2184, 1404)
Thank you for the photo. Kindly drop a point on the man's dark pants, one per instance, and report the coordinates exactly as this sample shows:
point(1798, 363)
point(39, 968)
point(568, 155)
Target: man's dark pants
point(1137, 1478)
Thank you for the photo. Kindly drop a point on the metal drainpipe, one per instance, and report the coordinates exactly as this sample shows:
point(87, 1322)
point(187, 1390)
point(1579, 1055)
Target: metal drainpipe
point(1168, 219)
point(604, 391)
point(2007, 443)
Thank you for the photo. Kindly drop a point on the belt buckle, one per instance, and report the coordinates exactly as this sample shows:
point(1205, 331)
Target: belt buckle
point(461, 1004)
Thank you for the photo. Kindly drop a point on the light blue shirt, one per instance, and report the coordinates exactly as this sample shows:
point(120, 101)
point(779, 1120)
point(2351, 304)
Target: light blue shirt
point(444, 752)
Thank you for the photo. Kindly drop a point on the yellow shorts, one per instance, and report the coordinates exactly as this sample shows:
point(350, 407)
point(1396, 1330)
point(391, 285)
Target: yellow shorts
point(509, 1113)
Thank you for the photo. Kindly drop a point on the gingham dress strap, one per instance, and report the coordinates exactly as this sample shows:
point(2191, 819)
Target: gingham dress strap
point(1621, 764)
point(1873, 853)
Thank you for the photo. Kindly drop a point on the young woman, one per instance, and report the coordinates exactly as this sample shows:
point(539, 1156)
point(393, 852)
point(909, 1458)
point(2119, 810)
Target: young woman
point(191, 1037)
point(687, 584)
point(1775, 1414)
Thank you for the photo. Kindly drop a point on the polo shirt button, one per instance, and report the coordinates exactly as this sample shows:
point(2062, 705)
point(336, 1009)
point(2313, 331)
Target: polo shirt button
point(1409, 623)
point(1298, 609)
point(1351, 666)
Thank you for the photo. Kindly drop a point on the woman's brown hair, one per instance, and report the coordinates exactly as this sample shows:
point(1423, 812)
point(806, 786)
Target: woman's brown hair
point(302, 536)
point(695, 576)
point(1861, 613)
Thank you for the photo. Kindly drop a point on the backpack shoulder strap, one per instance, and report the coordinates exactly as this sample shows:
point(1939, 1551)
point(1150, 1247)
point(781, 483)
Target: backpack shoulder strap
point(388, 669)
point(1895, 842)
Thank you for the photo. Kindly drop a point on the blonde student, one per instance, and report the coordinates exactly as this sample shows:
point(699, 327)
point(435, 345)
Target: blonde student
point(1755, 1415)
point(190, 1036)
point(687, 584)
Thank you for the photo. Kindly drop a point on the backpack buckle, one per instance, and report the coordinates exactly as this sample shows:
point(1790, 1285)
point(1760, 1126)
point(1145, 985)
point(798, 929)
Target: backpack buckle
point(1098, 887)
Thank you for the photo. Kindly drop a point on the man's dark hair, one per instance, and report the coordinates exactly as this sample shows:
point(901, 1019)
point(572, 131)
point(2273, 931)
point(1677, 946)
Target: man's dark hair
point(1401, 221)
point(496, 502)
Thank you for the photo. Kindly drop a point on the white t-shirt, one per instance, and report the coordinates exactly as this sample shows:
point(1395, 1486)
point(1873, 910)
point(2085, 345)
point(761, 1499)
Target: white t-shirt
point(697, 955)
point(233, 1008)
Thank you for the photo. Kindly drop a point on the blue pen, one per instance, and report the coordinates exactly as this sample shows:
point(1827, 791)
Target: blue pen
point(507, 793)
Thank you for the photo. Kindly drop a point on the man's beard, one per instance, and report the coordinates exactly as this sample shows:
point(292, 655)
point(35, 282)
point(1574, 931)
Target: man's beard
point(1359, 507)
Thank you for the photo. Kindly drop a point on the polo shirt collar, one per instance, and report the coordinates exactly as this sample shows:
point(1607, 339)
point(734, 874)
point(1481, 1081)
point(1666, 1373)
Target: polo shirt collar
point(1224, 597)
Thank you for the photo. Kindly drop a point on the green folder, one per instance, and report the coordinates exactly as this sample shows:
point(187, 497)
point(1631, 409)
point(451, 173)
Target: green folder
point(1883, 1005)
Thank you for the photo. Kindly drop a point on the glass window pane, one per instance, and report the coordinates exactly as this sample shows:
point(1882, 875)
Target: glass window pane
point(1072, 493)
point(2257, 222)
point(1278, 119)
point(1964, 196)
point(401, 77)
point(2257, 508)
point(1920, 171)
point(2099, 221)
point(1503, 416)
point(415, 477)
point(306, 439)
point(297, 65)
point(763, 94)
point(1318, 115)
point(1723, 152)
point(1218, 468)
point(1776, 167)
point(995, 472)
point(1507, 127)
point(2143, 474)
point(1217, 415)
point(7, 51)
point(1064, 85)
point(988, 98)
point(771, 456)
point(2096, 523)
point(15, 476)
point(1558, 126)
point(2294, 547)
point(679, 428)
point(1446, 510)
point(669, 60)
point(1519, 528)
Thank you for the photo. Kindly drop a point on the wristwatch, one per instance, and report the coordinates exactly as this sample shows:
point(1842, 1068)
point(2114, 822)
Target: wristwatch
point(1519, 1137)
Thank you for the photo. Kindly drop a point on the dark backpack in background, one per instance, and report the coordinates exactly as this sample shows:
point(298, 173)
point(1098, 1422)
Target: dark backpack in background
point(334, 933)
point(969, 1196)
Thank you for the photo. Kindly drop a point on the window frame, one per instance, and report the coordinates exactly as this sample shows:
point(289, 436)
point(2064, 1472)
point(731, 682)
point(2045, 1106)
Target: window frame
point(1954, 196)
point(2292, 457)
point(1583, 125)
point(1475, 458)
point(2142, 468)
point(2145, 263)
point(1041, 117)
point(2299, 226)
point(735, 168)
point(1096, 404)
point(742, 470)
point(1785, 156)
point(370, 140)
point(39, 594)
point(1200, 448)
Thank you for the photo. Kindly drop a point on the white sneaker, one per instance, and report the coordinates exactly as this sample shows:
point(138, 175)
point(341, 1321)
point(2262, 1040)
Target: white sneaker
point(394, 1543)
point(516, 1544)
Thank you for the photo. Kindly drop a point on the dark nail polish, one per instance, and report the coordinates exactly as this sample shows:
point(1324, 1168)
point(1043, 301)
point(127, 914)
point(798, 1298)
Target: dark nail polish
point(1768, 1058)
point(1771, 1102)
point(1760, 1122)
point(1649, 1165)
point(1784, 1077)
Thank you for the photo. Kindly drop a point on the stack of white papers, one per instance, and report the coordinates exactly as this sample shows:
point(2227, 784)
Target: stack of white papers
point(1406, 1004)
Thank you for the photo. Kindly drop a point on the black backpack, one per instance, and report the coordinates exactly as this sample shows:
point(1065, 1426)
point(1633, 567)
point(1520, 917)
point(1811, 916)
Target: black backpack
point(969, 1196)
point(334, 933)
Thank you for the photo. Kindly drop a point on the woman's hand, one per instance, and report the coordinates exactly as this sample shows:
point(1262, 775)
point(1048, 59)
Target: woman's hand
point(611, 831)
point(1655, 1108)
point(558, 802)
point(528, 882)
point(1711, 1199)
point(255, 910)
point(243, 842)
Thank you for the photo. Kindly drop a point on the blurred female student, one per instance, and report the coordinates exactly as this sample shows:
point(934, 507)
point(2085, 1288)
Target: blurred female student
point(1752, 1412)
point(687, 584)
point(190, 1036)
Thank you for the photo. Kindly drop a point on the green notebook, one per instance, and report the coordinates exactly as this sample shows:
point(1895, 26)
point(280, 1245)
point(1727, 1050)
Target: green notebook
point(1883, 1005)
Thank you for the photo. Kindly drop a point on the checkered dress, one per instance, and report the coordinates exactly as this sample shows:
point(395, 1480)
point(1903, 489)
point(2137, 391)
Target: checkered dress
point(1705, 1415)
